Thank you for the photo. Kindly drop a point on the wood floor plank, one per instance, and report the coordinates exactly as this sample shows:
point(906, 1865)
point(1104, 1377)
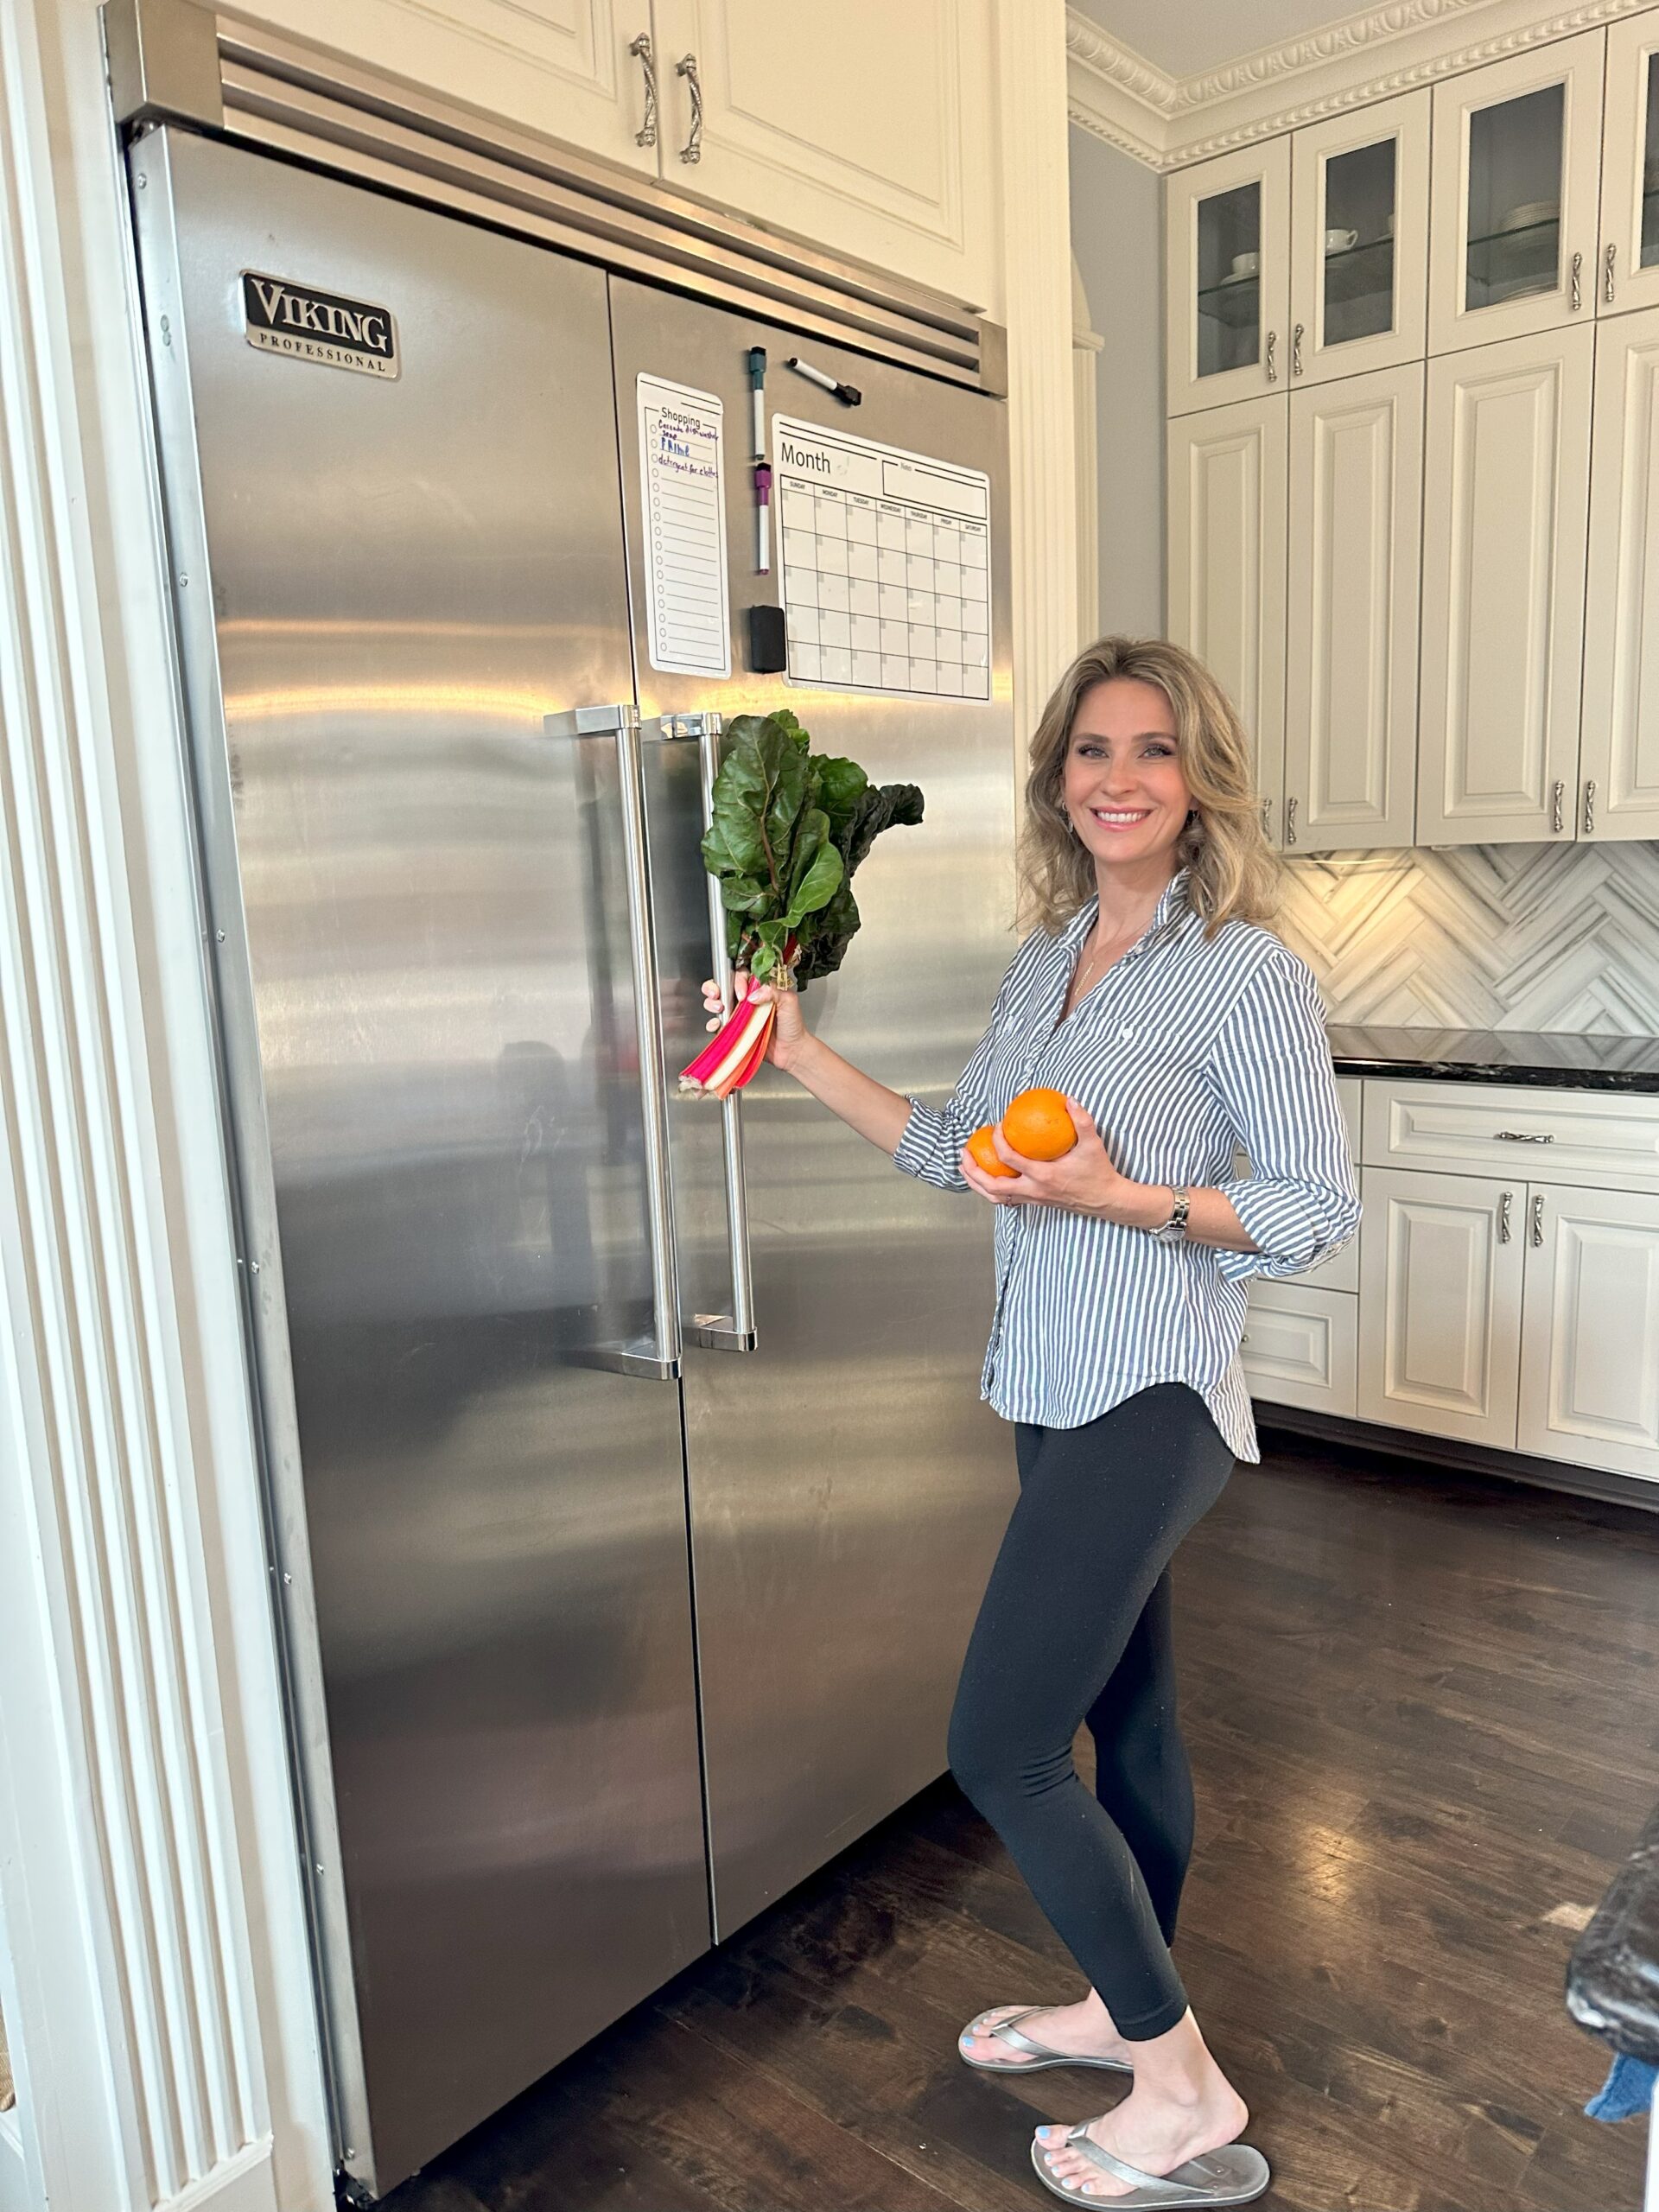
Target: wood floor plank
point(1421, 1711)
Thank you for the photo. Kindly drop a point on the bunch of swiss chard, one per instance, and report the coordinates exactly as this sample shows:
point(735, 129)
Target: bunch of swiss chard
point(790, 826)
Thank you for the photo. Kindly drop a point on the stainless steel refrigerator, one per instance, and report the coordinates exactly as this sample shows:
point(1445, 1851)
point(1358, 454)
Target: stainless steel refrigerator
point(630, 1494)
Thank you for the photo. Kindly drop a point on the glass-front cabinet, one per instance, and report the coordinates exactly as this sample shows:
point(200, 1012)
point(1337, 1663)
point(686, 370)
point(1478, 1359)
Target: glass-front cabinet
point(1517, 157)
point(1359, 241)
point(1229, 231)
point(1628, 271)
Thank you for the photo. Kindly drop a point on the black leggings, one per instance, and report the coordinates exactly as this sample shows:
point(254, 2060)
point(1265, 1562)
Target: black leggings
point(1076, 1622)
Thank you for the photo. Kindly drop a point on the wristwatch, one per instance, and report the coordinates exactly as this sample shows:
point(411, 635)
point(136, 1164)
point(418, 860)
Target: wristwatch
point(1174, 1229)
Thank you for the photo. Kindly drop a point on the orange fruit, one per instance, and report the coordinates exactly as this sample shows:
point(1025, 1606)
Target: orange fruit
point(1038, 1126)
point(985, 1155)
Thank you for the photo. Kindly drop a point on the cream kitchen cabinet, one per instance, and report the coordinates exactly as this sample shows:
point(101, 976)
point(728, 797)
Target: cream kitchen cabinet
point(1440, 1265)
point(1227, 293)
point(1589, 1351)
point(1617, 792)
point(1226, 492)
point(1355, 536)
point(857, 124)
point(1504, 545)
point(1299, 1346)
point(1628, 271)
point(1359, 240)
point(1514, 207)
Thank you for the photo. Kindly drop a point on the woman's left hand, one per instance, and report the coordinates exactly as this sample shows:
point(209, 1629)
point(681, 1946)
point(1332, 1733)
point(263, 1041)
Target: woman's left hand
point(1083, 1180)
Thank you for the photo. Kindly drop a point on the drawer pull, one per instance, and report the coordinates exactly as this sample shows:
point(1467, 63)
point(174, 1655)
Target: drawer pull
point(1537, 1216)
point(1505, 1201)
point(1523, 1136)
point(1245, 1338)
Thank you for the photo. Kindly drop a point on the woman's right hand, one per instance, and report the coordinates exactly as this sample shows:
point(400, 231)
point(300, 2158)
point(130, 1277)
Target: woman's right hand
point(789, 1030)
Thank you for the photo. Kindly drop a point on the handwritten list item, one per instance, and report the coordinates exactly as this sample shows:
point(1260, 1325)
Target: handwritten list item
point(687, 606)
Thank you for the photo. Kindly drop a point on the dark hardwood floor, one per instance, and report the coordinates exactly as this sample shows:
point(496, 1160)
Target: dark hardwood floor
point(1421, 1710)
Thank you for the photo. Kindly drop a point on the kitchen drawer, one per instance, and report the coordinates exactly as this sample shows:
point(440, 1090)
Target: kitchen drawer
point(1301, 1347)
point(1594, 1139)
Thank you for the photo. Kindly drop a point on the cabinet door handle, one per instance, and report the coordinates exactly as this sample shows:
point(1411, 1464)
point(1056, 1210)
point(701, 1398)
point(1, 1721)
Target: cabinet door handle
point(1267, 819)
point(1290, 821)
point(1272, 372)
point(1589, 807)
point(1296, 351)
point(1537, 1216)
point(1521, 1136)
point(692, 150)
point(646, 134)
point(1506, 1199)
point(1556, 817)
point(1607, 285)
point(1578, 287)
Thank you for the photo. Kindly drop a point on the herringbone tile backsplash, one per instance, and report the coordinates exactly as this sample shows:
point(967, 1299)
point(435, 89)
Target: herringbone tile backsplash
point(1483, 937)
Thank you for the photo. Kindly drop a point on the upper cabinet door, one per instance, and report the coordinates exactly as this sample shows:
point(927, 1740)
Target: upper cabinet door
point(1619, 794)
point(1359, 241)
point(859, 125)
point(1517, 160)
point(1227, 242)
point(1226, 493)
point(1504, 525)
point(1356, 526)
point(1627, 274)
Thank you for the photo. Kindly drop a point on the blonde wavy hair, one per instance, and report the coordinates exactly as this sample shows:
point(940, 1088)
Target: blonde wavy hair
point(1234, 874)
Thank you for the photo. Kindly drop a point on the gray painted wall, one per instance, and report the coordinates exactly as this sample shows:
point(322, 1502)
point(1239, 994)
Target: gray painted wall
point(1117, 237)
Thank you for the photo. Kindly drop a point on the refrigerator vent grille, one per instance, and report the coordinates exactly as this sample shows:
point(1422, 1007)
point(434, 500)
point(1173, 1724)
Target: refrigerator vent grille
point(171, 62)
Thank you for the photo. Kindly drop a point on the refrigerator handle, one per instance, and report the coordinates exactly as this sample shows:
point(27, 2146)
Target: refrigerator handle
point(733, 1332)
point(657, 1359)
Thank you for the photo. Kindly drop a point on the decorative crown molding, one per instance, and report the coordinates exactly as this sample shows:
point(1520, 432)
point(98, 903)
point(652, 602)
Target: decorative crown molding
point(1167, 122)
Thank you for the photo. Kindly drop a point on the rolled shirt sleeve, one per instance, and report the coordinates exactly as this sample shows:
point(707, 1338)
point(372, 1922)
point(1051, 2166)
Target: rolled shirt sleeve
point(1301, 1204)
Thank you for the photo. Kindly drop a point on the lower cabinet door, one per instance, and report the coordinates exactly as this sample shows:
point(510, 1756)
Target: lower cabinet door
point(1440, 1263)
point(1589, 1333)
point(1299, 1345)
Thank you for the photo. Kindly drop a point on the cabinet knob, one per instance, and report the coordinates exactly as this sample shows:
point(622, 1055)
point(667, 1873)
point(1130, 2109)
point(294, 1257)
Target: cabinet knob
point(646, 134)
point(692, 150)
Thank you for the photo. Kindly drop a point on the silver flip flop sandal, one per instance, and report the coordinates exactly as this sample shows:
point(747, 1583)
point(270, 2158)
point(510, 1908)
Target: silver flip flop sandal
point(1007, 2033)
point(1231, 2176)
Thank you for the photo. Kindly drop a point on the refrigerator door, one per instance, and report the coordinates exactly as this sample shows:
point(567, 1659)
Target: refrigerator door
point(847, 1486)
point(388, 578)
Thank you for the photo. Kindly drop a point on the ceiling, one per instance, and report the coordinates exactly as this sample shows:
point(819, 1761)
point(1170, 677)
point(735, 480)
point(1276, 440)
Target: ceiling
point(1194, 35)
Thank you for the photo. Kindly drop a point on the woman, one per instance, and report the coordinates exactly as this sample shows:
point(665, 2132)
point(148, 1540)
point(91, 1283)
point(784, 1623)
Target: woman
point(1179, 1030)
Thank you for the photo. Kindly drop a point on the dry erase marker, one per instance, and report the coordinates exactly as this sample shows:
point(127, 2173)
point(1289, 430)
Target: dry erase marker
point(848, 394)
point(758, 398)
point(762, 519)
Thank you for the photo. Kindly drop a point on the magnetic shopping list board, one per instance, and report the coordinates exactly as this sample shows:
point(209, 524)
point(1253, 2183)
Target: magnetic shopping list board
point(887, 569)
point(688, 621)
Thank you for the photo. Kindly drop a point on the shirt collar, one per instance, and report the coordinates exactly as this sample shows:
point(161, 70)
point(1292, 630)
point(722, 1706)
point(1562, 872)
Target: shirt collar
point(1171, 908)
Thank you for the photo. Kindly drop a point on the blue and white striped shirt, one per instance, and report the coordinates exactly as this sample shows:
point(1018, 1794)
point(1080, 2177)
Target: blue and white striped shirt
point(1184, 1052)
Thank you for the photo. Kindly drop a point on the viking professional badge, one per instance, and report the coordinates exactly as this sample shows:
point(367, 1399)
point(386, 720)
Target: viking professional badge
point(312, 325)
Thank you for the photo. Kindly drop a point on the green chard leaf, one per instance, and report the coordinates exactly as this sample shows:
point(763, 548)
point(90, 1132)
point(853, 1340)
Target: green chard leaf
point(789, 829)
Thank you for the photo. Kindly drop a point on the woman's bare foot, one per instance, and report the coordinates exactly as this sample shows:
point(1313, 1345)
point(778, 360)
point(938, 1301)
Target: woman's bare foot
point(1182, 2105)
point(1084, 2031)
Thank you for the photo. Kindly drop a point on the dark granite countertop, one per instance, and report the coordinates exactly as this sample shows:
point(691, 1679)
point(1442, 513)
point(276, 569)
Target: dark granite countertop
point(1552, 1060)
